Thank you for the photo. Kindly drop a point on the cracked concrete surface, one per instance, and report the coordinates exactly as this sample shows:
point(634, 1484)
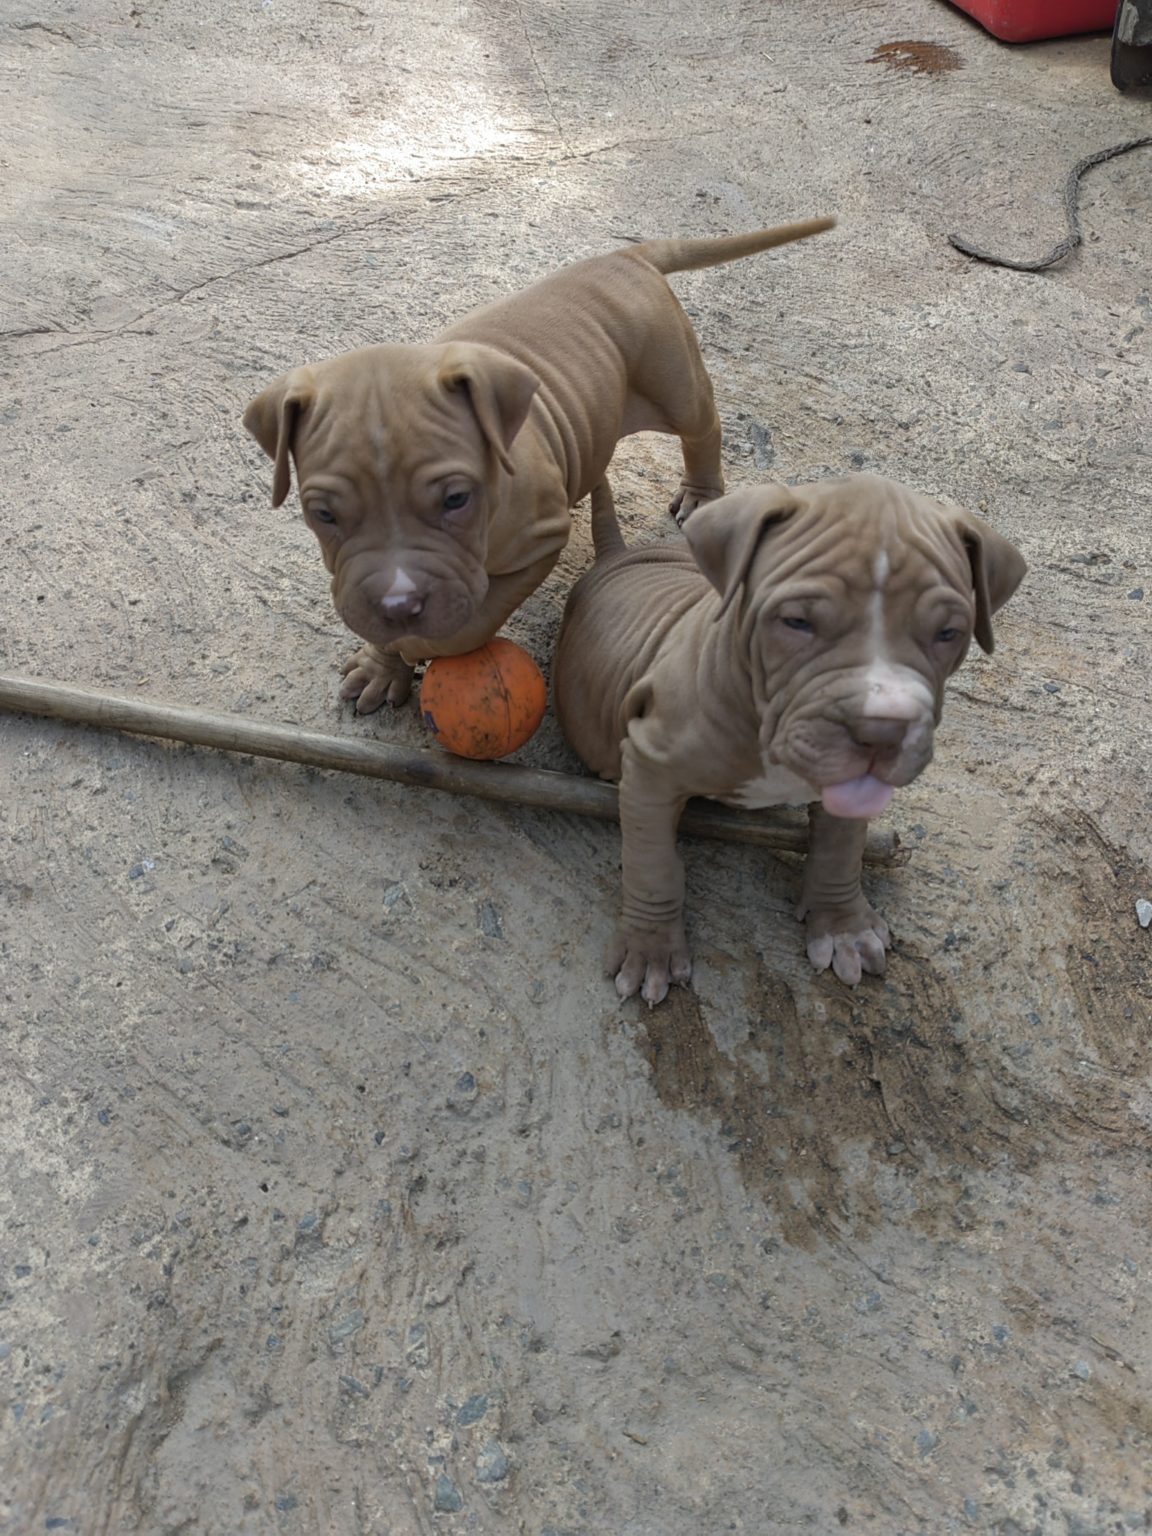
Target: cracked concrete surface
point(337, 1194)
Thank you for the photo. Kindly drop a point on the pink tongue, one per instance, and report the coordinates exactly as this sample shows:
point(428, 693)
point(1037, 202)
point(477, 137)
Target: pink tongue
point(861, 798)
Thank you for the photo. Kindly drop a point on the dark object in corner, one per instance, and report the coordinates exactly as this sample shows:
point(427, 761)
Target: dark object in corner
point(1071, 193)
point(1132, 46)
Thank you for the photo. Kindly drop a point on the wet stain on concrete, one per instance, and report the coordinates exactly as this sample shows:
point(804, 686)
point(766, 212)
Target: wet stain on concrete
point(918, 58)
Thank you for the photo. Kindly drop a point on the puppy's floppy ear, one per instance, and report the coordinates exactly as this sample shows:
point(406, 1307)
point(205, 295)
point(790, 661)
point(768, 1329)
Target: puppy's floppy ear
point(271, 418)
point(998, 568)
point(499, 390)
point(725, 534)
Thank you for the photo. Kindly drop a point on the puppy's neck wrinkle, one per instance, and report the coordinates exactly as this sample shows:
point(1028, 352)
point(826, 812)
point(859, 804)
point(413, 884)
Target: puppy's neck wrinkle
point(726, 684)
point(547, 418)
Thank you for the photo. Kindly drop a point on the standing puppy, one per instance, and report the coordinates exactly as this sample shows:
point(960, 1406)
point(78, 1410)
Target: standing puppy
point(793, 652)
point(439, 479)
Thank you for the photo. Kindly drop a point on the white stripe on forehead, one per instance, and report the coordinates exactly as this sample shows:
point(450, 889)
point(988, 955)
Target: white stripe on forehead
point(877, 640)
point(890, 692)
point(379, 439)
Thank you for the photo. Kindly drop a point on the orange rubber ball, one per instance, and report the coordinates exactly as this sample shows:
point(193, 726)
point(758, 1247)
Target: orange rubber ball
point(484, 704)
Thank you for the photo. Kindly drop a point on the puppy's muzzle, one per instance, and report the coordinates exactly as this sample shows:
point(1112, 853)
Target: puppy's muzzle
point(872, 732)
point(404, 600)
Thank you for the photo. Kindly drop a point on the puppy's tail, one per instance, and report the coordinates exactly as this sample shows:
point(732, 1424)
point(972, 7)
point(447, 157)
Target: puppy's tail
point(687, 255)
point(606, 536)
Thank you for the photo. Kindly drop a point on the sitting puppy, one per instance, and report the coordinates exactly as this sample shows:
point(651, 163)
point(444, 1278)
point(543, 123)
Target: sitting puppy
point(439, 479)
point(794, 652)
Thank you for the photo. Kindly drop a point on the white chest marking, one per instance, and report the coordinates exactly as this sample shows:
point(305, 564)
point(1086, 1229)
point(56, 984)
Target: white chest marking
point(775, 786)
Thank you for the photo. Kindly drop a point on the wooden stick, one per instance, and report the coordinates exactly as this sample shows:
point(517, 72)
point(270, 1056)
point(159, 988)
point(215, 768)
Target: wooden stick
point(418, 767)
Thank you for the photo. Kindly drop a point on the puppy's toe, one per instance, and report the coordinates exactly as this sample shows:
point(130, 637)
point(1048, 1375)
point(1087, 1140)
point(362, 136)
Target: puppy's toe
point(870, 948)
point(846, 963)
point(369, 700)
point(630, 975)
point(357, 681)
point(655, 988)
point(820, 952)
point(681, 968)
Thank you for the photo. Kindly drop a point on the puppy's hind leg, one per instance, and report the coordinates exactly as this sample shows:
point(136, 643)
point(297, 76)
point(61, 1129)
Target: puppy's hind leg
point(675, 381)
point(703, 479)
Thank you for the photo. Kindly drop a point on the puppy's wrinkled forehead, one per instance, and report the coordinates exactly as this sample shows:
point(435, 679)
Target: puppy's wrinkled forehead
point(381, 412)
point(867, 535)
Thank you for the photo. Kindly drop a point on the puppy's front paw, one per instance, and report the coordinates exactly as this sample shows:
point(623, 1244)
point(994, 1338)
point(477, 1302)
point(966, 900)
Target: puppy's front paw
point(851, 939)
point(689, 497)
point(371, 677)
point(650, 962)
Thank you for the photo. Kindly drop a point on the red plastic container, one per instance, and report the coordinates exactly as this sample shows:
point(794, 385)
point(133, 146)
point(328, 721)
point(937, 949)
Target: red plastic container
point(1024, 21)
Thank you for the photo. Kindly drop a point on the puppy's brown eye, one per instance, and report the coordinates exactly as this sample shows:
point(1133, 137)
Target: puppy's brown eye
point(946, 636)
point(322, 514)
point(456, 501)
point(801, 626)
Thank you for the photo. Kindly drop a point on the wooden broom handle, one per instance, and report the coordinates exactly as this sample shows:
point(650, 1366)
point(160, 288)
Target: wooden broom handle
point(418, 767)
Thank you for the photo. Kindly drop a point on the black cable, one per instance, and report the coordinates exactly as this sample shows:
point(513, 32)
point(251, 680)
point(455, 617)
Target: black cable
point(1071, 194)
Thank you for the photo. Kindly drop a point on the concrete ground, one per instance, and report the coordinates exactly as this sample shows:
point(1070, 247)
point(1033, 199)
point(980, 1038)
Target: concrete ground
point(338, 1195)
